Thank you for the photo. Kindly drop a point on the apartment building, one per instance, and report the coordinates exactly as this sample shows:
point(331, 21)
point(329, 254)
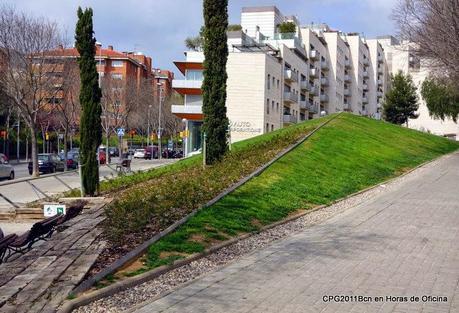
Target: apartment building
point(276, 78)
point(400, 57)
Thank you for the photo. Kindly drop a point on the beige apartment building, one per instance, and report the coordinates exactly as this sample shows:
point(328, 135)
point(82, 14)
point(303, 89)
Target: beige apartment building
point(277, 79)
point(400, 57)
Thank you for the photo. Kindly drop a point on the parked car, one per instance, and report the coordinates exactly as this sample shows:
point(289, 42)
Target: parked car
point(48, 163)
point(6, 169)
point(102, 157)
point(72, 159)
point(113, 151)
point(139, 154)
point(151, 152)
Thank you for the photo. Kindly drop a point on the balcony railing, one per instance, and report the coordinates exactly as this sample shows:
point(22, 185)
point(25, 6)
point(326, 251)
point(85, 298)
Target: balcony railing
point(380, 59)
point(303, 104)
point(365, 61)
point(364, 99)
point(289, 119)
point(324, 81)
point(347, 92)
point(290, 76)
point(379, 94)
point(347, 63)
point(290, 97)
point(313, 54)
point(380, 69)
point(380, 82)
point(312, 108)
point(324, 65)
point(323, 98)
point(365, 73)
point(304, 85)
point(186, 84)
point(186, 109)
point(314, 90)
point(347, 78)
point(365, 86)
point(313, 72)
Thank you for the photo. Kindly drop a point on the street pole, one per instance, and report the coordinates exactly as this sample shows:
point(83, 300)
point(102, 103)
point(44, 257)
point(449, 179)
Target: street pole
point(159, 120)
point(148, 129)
point(18, 137)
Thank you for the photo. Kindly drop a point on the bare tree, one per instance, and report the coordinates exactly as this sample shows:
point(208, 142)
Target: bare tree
point(433, 26)
point(25, 41)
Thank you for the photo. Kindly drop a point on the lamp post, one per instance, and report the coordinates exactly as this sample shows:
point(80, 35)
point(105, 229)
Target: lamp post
point(148, 129)
point(185, 138)
point(159, 119)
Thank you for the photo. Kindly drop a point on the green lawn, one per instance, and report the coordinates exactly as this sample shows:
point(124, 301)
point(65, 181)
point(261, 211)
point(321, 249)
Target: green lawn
point(348, 155)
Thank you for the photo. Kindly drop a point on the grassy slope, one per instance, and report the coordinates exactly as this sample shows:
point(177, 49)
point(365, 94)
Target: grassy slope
point(349, 154)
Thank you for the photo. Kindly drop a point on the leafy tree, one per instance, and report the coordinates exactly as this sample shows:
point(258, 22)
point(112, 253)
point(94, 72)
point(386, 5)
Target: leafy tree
point(287, 27)
point(214, 85)
point(90, 95)
point(442, 99)
point(234, 27)
point(401, 102)
point(195, 43)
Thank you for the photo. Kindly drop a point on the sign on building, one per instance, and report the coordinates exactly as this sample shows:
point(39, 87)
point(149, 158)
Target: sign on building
point(53, 209)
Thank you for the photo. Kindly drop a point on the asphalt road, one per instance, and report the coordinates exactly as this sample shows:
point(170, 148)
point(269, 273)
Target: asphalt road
point(399, 245)
point(22, 193)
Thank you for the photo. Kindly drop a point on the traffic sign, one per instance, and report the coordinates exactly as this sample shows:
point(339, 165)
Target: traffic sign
point(53, 209)
point(120, 132)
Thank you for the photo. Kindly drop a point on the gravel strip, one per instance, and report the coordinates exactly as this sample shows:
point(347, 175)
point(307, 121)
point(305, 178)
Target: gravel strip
point(126, 299)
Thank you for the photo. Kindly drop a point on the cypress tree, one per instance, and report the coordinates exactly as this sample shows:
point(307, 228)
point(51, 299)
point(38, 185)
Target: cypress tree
point(214, 85)
point(90, 94)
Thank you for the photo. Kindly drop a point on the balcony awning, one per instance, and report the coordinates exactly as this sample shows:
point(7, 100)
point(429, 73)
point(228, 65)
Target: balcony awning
point(183, 65)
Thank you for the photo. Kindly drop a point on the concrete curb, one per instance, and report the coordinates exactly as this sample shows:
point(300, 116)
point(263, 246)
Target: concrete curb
point(133, 281)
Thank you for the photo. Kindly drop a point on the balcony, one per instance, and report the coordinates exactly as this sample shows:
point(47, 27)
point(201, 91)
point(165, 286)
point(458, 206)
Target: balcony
point(304, 85)
point(379, 94)
point(290, 76)
point(303, 104)
point(347, 63)
point(324, 65)
point(323, 98)
point(187, 87)
point(380, 59)
point(314, 90)
point(324, 81)
point(380, 82)
point(380, 69)
point(192, 112)
point(364, 99)
point(290, 97)
point(289, 119)
point(313, 72)
point(312, 108)
point(347, 78)
point(365, 61)
point(365, 86)
point(290, 40)
point(365, 74)
point(313, 54)
point(347, 92)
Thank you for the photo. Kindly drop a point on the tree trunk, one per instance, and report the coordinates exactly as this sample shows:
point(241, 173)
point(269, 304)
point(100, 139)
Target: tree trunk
point(34, 154)
point(107, 154)
point(65, 150)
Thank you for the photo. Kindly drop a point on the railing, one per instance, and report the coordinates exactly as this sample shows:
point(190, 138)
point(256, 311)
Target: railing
point(324, 81)
point(314, 90)
point(312, 72)
point(290, 75)
point(313, 54)
point(289, 119)
point(347, 78)
point(347, 92)
point(290, 96)
point(364, 99)
point(347, 63)
point(305, 85)
point(187, 84)
point(365, 86)
point(323, 98)
point(324, 65)
point(365, 73)
point(303, 104)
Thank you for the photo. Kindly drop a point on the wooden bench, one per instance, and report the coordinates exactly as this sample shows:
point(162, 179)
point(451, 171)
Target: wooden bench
point(4, 245)
point(124, 166)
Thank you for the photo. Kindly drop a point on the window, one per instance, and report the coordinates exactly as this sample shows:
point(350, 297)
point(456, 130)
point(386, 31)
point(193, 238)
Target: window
point(272, 105)
point(269, 81)
point(194, 75)
point(267, 127)
point(102, 62)
point(267, 106)
point(117, 76)
point(277, 107)
point(117, 63)
point(278, 82)
point(272, 127)
point(274, 81)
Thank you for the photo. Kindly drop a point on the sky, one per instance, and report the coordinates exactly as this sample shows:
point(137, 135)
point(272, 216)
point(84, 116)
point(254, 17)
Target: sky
point(158, 28)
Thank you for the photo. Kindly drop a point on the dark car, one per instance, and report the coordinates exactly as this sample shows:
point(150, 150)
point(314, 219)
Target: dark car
point(151, 152)
point(72, 159)
point(48, 163)
point(113, 151)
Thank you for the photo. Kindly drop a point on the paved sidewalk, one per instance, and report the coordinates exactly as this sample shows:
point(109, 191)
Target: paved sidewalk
point(403, 243)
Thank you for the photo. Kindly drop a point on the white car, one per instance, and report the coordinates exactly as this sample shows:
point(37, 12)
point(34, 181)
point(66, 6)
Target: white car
point(139, 154)
point(6, 170)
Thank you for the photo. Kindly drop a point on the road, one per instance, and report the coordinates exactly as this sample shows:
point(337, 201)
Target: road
point(22, 193)
point(402, 243)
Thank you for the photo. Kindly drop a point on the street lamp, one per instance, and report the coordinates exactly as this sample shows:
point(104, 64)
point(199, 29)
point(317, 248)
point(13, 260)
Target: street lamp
point(159, 119)
point(148, 129)
point(185, 145)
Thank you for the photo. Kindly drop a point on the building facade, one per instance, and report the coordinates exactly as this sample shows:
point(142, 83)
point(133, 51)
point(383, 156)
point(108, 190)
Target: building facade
point(277, 79)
